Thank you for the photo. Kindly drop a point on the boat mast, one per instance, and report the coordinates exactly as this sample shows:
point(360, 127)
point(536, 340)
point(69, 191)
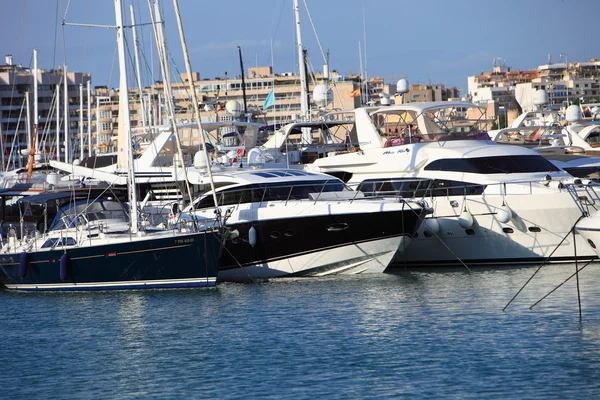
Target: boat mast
point(89, 119)
point(35, 94)
point(80, 121)
point(125, 151)
point(188, 68)
point(161, 44)
point(302, 66)
point(58, 121)
point(306, 132)
point(136, 53)
point(67, 114)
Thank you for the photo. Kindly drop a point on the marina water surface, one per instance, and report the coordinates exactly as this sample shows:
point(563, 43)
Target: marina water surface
point(417, 335)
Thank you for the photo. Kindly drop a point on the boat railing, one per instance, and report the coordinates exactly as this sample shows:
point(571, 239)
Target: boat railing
point(421, 188)
point(585, 195)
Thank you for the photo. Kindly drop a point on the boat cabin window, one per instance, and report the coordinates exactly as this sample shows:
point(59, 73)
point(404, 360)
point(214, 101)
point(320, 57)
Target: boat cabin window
point(63, 241)
point(257, 193)
point(417, 188)
point(493, 165)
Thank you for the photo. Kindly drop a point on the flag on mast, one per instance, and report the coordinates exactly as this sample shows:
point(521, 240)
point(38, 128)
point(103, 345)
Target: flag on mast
point(355, 92)
point(270, 100)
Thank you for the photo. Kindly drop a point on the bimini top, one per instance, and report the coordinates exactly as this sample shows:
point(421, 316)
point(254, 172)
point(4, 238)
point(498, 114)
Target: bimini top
point(423, 107)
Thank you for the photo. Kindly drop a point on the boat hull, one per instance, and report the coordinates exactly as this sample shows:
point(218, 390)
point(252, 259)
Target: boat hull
point(318, 245)
point(172, 261)
point(589, 229)
point(539, 230)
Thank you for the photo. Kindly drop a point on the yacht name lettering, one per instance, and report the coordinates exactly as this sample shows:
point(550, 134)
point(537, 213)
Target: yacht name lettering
point(182, 241)
point(388, 152)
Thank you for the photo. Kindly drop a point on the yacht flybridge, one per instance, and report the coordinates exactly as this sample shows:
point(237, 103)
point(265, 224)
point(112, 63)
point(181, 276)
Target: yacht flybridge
point(493, 204)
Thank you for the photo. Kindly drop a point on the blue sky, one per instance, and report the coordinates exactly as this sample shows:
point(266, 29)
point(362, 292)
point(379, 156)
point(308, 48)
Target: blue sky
point(437, 41)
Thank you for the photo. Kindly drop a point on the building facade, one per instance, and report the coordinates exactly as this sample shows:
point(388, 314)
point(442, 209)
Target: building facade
point(17, 111)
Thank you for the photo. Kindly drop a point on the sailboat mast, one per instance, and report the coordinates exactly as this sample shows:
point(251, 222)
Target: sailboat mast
point(188, 68)
point(125, 151)
point(302, 66)
point(67, 113)
point(35, 93)
point(161, 45)
point(81, 121)
point(89, 119)
point(136, 53)
point(58, 121)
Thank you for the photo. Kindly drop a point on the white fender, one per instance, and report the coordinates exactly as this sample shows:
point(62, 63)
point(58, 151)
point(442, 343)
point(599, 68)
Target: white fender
point(465, 219)
point(432, 226)
point(252, 236)
point(504, 213)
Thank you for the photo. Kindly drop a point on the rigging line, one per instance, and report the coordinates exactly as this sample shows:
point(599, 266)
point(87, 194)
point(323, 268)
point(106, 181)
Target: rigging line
point(544, 263)
point(565, 281)
point(66, 11)
point(315, 31)
point(15, 135)
point(85, 33)
point(141, 38)
point(55, 34)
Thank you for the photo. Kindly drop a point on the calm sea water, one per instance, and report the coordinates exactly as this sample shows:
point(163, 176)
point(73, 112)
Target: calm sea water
point(415, 335)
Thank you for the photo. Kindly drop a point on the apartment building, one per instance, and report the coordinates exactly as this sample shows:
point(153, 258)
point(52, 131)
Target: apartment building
point(213, 96)
point(563, 82)
point(427, 92)
point(17, 111)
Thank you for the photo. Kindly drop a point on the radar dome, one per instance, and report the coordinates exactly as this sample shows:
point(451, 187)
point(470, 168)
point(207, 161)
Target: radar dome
point(402, 86)
point(540, 97)
point(573, 113)
point(322, 95)
point(234, 108)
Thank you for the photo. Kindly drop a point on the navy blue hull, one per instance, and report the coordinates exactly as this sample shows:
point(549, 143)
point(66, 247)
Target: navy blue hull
point(168, 262)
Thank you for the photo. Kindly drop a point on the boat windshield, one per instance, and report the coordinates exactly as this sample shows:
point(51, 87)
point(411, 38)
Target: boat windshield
point(100, 210)
point(256, 193)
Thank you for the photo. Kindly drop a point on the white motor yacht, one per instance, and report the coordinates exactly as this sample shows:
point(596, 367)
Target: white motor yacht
point(492, 204)
point(297, 223)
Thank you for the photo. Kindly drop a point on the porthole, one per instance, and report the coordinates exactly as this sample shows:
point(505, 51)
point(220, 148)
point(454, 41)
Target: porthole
point(427, 234)
point(592, 243)
point(235, 240)
point(534, 229)
point(289, 233)
point(338, 227)
point(245, 238)
point(507, 230)
point(275, 235)
point(470, 232)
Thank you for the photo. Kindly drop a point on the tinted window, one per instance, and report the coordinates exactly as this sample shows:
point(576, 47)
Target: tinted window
point(409, 188)
point(493, 165)
point(270, 192)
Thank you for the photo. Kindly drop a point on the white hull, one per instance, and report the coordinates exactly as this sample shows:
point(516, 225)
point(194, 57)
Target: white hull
point(534, 234)
point(356, 258)
point(589, 229)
